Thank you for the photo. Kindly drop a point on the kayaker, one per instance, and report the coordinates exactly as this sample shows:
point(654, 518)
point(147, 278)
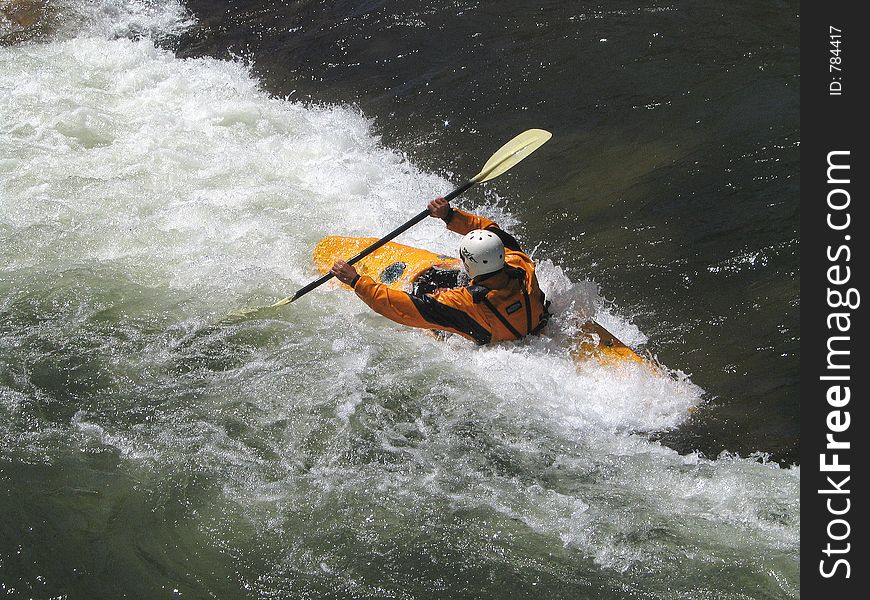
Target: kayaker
point(503, 301)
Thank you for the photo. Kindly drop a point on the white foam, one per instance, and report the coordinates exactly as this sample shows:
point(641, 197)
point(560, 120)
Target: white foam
point(120, 18)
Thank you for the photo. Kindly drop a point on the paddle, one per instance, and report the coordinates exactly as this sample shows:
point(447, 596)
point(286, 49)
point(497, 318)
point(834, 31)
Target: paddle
point(504, 158)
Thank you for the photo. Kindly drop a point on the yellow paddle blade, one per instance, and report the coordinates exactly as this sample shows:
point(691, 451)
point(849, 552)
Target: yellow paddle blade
point(254, 313)
point(512, 153)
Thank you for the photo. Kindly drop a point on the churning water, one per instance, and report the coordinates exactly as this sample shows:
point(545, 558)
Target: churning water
point(148, 451)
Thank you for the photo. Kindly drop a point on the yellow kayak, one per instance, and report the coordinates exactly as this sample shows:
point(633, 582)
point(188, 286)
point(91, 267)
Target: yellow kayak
point(419, 271)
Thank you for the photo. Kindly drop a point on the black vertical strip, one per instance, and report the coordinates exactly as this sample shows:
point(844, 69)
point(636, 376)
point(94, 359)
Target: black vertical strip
point(501, 318)
point(834, 64)
point(528, 308)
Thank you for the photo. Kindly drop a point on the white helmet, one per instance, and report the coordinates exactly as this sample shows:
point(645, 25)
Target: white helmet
point(481, 252)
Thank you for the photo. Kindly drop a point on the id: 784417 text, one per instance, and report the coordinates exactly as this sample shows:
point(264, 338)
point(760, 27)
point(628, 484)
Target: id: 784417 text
point(835, 61)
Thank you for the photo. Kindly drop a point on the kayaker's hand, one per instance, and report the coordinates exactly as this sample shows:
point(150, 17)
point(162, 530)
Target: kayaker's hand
point(439, 208)
point(344, 272)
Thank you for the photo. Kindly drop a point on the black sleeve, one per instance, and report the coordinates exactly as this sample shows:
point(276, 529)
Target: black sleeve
point(447, 316)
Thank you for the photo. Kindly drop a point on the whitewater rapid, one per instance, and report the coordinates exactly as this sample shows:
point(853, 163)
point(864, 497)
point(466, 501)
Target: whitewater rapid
point(143, 197)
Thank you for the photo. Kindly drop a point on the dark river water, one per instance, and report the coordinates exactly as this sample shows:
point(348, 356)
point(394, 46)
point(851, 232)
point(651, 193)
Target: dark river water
point(162, 163)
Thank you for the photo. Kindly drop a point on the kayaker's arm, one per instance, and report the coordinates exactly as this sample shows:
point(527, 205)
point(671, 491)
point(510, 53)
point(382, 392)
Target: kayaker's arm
point(463, 222)
point(418, 311)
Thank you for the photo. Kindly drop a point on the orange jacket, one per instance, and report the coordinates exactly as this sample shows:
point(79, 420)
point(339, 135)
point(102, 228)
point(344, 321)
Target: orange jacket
point(492, 309)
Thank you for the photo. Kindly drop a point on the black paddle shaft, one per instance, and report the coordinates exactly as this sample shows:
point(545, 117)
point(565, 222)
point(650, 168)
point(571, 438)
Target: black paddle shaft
point(395, 232)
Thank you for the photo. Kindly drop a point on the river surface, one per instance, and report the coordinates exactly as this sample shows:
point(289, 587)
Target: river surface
point(163, 163)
